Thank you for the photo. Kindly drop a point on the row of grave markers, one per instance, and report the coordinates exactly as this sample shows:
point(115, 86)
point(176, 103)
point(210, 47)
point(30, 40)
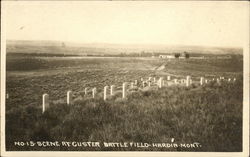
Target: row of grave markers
point(160, 83)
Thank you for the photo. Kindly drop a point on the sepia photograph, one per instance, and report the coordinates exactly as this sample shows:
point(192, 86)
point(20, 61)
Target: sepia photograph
point(125, 76)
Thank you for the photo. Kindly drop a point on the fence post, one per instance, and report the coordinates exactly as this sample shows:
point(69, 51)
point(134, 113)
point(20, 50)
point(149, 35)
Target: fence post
point(206, 81)
point(45, 102)
point(105, 92)
point(124, 90)
point(202, 81)
point(93, 92)
point(112, 89)
point(69, 97)
point(149, 83)
point(188, 81)
point(7, 96)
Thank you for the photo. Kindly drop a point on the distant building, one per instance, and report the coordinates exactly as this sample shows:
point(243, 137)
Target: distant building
point(166, 56)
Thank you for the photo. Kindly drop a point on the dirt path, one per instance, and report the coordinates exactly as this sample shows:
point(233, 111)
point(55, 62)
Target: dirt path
point(160, 71)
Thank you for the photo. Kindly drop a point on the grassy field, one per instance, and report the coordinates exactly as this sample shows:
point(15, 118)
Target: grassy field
point(210, 115)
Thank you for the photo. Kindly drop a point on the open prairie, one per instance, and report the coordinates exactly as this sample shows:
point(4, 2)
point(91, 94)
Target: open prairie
point(210, 115)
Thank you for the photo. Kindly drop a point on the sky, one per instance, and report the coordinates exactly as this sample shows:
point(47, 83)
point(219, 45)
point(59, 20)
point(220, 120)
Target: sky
point(129, 22)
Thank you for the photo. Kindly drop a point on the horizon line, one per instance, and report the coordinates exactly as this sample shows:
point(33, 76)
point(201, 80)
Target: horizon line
point(114, 43)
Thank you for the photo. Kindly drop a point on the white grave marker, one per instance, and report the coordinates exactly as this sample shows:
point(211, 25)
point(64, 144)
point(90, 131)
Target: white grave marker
point(175, 81)
point(124, 90)
point(112, 89)
point(206, 81)
point(105, 92)
point(86, 91)
point(218, 80)
point(143, 84)
point(69, 97)
point(93, 92)
point(45, 102)
point(160, 82)
point(169, 78)
point(132, 85)
point(188, 81)
point(154, 80)
point(202, 81)
point(136, 82)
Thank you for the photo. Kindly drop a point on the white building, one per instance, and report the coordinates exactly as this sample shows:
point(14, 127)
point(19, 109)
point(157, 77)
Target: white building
point(166, 56)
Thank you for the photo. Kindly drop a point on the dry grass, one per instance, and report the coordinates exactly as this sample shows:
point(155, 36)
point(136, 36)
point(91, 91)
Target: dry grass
point(210, 115)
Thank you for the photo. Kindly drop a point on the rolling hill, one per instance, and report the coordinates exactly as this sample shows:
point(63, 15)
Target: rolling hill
point(58, 47)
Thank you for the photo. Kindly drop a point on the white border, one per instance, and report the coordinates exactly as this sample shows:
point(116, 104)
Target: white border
point(246, 93)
